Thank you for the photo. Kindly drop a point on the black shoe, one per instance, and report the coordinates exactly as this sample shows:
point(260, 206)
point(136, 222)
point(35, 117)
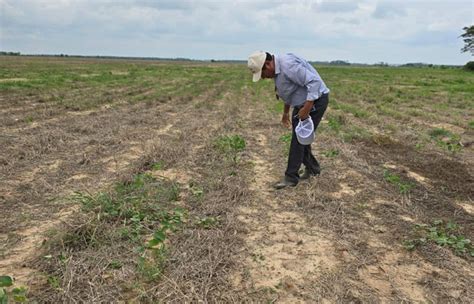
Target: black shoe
point(283, 184)
point(307, 174)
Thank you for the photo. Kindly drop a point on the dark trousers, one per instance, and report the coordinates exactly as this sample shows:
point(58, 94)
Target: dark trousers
point(301, 154)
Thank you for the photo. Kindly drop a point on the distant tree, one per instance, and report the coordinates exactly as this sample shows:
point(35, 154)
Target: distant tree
point(468, 38)
point(10, 53)
point(339, 62)
point(469, 66)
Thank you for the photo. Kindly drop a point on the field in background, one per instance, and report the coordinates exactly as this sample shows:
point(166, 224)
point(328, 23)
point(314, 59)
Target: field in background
point(146, 180)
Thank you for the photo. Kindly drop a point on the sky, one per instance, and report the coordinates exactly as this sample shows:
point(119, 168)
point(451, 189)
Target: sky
point(362, 31)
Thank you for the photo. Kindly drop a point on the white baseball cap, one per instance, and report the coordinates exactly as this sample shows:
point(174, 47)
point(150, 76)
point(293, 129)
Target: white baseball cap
point(305, 131)
point(255, 64)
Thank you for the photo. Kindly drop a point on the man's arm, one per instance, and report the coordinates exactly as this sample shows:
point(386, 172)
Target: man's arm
point(285, 120)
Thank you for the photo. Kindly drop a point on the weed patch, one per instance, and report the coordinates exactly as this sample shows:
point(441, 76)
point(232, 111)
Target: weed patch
point(394, 179)
point(196, 190)
point(331, 153)
point(234, 143)
point(335, 122)
point(128, 224)
point(230, 146)
point(446, 139)
point(158, 166)
point(286, 140)
point(208, 222)
point(277, 107)
point(442, 234)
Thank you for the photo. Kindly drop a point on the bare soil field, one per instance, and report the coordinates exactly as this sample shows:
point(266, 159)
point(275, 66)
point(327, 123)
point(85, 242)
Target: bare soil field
point(149, 181)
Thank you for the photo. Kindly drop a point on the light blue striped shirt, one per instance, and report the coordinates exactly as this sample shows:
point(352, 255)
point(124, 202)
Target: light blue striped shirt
point(297, 81)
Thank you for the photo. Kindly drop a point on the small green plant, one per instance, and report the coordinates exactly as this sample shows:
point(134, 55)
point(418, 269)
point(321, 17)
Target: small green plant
point(442, 234)
point(392, 178)
point(277, 107)
point(419, 146)
point(54, 282)
point(196, 190)
point(29, 119)
point(151, 265)
point(446, 139)
point(331, 153)
point(336, 122)
point(439, 132)
point(234, 143)
point(170, 222)
point(208, 222)
point(17, 294)
point(361, 206)
point(230, 146)
point(286, 138)
point(158, 166)
point(115, 264)
point(471, 124)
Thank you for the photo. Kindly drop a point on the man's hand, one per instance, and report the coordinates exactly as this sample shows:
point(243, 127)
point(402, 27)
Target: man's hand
point(303, 113)
point(285, 120)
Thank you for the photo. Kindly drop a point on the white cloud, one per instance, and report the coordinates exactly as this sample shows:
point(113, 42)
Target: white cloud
point(337, 6)
point(362, 31)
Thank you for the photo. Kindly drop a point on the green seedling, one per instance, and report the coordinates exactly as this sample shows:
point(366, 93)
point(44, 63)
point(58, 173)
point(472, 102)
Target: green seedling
point(232, 144)
point(286, 138)
point(54, 282)
point(158, 166)
point(446, 139)
point(115, 264)
point(196, 190)
point(392, 178)
point(28, 119)
point(442, 234)
point(335, 122)
point(8, 292)
point(208, 222)
point(331, 153)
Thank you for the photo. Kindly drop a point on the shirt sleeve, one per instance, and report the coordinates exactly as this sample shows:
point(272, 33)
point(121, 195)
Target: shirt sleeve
point(304, 77)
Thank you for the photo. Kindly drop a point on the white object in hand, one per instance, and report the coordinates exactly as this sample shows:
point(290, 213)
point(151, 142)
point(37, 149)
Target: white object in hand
point(305, 131)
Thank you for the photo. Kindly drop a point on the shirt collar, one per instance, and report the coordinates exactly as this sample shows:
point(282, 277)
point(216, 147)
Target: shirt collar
point(277, 64)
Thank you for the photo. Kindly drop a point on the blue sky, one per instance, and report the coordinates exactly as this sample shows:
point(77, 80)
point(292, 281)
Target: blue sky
point(366, 31)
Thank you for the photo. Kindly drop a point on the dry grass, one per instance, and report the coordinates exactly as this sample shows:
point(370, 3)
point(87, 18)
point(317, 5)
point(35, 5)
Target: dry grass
point(339, 238)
